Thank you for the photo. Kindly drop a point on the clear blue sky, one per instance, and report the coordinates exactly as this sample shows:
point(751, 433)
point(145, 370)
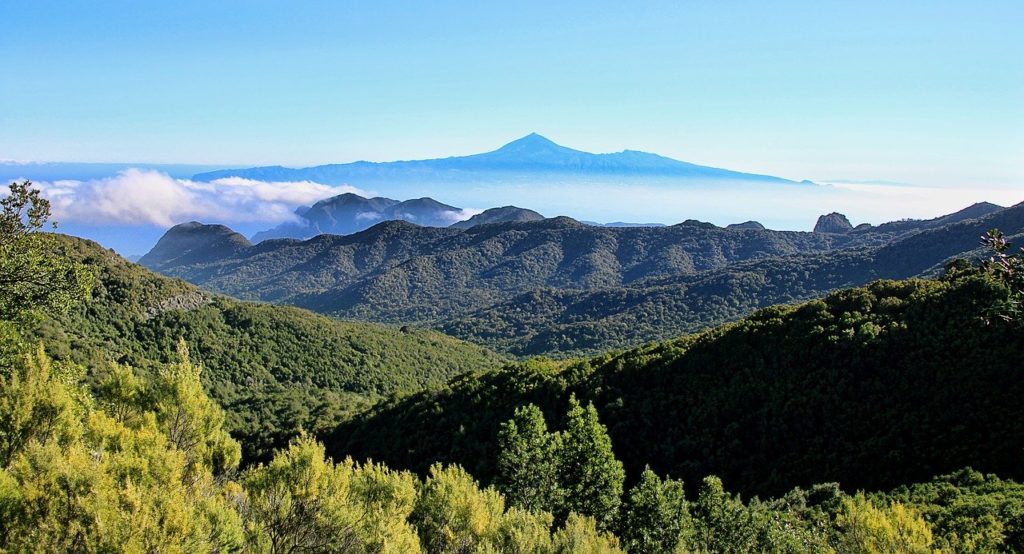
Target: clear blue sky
point(926, 92)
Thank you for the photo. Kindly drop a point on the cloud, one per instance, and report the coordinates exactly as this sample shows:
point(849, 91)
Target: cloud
point(368, 216)
point(139, 197)
point(460, 215)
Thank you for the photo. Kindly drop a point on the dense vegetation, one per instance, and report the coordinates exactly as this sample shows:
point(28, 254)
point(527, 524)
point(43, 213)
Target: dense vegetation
point(566, 321)
point(871, 387)
point(561, 287)
point(107, 456)
point(275, 369)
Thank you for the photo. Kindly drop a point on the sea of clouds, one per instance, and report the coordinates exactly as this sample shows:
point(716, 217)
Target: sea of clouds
point(148, 197)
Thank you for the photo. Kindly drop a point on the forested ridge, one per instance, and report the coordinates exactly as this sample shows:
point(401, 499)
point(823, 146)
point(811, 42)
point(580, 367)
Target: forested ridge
point(559, 287)
point(871, 387)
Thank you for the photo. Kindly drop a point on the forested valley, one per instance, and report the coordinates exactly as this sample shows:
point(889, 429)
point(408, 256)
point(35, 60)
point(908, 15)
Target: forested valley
point(142, 414)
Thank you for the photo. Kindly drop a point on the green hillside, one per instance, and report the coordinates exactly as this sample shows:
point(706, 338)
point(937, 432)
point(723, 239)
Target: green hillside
point(553, 321)
point(559, 287)
point(871, 387)
point(275, 369)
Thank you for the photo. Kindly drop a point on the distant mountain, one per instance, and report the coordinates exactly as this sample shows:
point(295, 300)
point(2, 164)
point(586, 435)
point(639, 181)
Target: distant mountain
point(973, 211)
point(350, 213)
point(833, 223)
point(532, 154)
point(559, 286)
point(751, 225)
point(504, 214)
point(570, 321)
point(193, 243)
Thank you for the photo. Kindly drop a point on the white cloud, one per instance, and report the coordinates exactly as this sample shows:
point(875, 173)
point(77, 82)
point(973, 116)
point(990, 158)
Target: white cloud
point(368, 216)
point(461, 215)
point(137, 196)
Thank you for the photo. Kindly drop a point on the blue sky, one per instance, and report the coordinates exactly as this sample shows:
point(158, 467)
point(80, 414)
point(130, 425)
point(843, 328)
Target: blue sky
point(922, 92)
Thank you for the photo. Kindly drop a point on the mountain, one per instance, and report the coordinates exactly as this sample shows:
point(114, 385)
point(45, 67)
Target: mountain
point(550, 320)
point(752, 225)
point(974, 211)
point(504, 214)
point(350, 213)
point(192, 243)
point(275, 369)
point(400, 272)
point(833, 223)
point(559, 286)
point(870, 387)
point(532, 154)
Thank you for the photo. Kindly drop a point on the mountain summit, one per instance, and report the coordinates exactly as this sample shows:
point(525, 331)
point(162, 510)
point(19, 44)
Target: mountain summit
point(530, 156)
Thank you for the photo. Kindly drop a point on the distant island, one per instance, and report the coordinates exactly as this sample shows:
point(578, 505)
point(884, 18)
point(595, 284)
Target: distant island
point(529, 155)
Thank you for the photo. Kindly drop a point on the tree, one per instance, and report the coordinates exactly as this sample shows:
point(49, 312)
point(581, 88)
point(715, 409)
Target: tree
point(40, 402)
point(192, 421)
point(721, 522)
point(32, 279)
point(1008, 268)
point(454, 515)
point(297, 503)
point(864, 527)
point(78, 479)
point(528, 461)
point(589, 472)
point(581, 534)
point(655, 517)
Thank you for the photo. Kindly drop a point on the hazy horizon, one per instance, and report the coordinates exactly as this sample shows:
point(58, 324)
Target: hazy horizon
point(898, 110)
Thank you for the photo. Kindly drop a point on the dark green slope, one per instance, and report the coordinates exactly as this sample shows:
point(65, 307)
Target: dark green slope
point(567, 322)
point(872, 387)
point(397, 271)
point(274, 368)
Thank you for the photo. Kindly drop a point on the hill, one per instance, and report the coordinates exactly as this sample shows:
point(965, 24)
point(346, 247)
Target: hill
point(193, 243)
point(559, 286)
point(399, 272)
point(275, 369)
point(561, 321)
point(871, 387)
point(504, 214)
point(350, 213)
point(532, 154)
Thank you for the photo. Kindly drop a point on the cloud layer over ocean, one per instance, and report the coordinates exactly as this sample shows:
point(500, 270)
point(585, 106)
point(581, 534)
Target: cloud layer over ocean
point(147, 197)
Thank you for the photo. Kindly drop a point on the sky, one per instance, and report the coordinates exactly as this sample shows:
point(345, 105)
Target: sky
point(911, 92)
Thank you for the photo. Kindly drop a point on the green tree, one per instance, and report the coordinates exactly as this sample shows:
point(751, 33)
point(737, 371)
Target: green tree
point(192, 421)
point(454, 515)
point(32, 279)
point(864, 527)
point(722, 523)
point(655, 517)
point(581, 534)
point(82, 480)
point(297, 503)
point(40, 402)
point(591, 476)
point(528, 461)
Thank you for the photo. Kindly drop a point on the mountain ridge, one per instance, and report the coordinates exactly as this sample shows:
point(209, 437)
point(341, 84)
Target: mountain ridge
point(532, 153)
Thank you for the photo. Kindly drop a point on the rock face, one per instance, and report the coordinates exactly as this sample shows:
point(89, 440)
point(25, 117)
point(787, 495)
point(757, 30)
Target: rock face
point(833, 223)
point(746, 225)
point(503, 214)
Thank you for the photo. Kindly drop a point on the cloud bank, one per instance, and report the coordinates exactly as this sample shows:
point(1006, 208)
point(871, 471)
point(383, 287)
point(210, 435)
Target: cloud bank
point(141, 197)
